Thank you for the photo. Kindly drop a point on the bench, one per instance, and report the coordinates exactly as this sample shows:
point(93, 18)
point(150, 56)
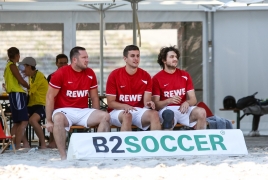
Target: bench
point(75, 129)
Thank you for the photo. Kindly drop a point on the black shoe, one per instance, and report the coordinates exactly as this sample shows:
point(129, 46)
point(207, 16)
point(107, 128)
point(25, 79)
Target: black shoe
point(168, 117)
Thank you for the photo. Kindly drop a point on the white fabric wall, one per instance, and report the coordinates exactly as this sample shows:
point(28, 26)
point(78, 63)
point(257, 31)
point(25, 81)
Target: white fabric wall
point(241, 60)
point(69, 19)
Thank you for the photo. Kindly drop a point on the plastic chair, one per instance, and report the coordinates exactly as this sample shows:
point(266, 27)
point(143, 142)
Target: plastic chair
point(203, 105)
point(5, 134)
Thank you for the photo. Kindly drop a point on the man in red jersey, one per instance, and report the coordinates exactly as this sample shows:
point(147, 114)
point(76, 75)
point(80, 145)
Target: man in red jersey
point(129, 91)
point(173, 93)
point(67, 99)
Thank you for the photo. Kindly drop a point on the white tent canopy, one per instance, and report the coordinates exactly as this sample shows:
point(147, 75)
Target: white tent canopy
point(152, 5)
point(234, 39)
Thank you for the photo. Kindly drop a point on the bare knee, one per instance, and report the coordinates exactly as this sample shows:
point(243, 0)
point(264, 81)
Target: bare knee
point(154, 117)
point(201, 114)
point(33, 121)
point(59, 119)
point(105, 118)
point(127, 118)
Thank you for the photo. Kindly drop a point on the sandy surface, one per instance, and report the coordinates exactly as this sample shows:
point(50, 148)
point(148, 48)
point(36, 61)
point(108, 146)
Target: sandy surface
point(46, 164)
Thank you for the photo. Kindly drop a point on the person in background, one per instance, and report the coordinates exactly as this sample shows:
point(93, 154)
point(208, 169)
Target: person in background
point(64, 107)
point(61, 60)
point(25, 77)
point(17, 97)
point(128, 92)
point(173, 93)
point(37, 97)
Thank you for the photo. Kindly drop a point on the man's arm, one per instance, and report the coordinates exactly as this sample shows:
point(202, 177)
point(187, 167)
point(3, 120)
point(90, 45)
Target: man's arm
point(51, 94)
point(147, 100)
point(191, 101)
point(94, 97)
point(161, 104)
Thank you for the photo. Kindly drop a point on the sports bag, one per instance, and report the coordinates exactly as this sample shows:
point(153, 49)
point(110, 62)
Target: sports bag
point(247, 101)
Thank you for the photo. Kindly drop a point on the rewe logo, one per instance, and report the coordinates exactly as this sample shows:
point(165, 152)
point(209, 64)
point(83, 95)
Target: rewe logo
point(178, 92)
point(77, 93)
point(131, 98)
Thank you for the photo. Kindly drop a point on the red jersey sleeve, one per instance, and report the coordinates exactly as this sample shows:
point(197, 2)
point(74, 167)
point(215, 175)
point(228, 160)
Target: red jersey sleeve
point(111, 84)
point(56, 79)
point(156, 88)
point(149, 83)
point(94, 82)
point(189, 85)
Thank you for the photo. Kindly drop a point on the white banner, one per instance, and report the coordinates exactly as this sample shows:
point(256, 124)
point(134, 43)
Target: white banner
point(156, 143)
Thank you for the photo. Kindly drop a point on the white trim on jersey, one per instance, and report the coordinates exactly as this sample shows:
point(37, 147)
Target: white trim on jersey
point(54, 85)
point(190, 90)
point(93, 86)
point(148, 92)
point(111, 94)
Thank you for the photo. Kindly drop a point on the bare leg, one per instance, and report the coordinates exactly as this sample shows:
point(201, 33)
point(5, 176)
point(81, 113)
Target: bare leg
point(100, 118)
point(199, 114)
point(60, 122)
point(34, 119)
point(14, 128)
point(20, 133)
point(13, 131)
point(52, 143)
point(126, 121)
point(25, 141)
point(151, 118)
point(104, 125)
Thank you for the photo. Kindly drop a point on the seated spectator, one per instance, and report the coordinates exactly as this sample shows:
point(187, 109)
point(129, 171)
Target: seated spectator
point(37, 97)
point(64, 107)
point(129, 92)
point(175, 101)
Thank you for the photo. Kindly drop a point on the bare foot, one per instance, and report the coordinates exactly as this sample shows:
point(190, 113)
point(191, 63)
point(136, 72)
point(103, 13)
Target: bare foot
point(42, 147)
point(52, 145)
point(63, 158)
point(26, 146)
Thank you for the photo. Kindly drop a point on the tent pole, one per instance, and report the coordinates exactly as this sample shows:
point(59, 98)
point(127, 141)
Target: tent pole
point(134, 20)
point(101, 49)
point(210, 63)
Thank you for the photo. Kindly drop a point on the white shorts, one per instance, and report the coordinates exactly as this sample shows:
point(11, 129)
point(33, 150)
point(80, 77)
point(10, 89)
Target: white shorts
point(75, 116)
point(178, 116)
point(136, 117)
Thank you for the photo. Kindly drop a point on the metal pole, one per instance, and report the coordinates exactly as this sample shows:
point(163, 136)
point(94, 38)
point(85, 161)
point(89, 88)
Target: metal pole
point(134, 20)
point(101, 49)
point(210, 64)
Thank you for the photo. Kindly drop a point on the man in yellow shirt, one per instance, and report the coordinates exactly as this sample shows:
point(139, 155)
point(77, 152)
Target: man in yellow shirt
point(37, 97)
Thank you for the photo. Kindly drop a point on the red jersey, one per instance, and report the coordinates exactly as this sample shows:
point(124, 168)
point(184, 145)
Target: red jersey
point(73, 87)
point(129, 89)
point(168, 85)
